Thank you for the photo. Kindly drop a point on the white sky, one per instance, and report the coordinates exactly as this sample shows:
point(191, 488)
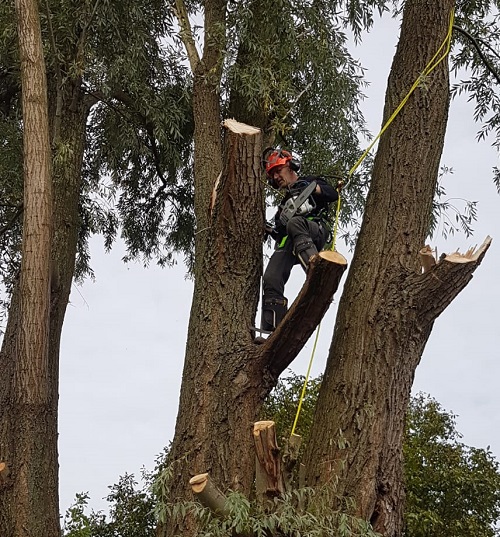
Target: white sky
point(124, 334)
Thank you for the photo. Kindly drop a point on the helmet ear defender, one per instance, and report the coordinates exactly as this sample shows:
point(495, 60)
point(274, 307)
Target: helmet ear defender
point(271, 158)
point(294, 165)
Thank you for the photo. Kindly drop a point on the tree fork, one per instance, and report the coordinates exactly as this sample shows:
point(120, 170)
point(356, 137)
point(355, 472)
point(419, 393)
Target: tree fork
point(388, 307)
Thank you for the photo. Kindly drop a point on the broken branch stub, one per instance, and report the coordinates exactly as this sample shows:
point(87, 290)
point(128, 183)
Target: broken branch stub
point(268, 477)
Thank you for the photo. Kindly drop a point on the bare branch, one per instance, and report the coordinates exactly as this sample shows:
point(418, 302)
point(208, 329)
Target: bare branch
point(186, 33)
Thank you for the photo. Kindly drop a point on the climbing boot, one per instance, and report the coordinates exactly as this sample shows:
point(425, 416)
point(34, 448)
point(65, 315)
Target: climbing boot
point(304, 249)
point(273, 311)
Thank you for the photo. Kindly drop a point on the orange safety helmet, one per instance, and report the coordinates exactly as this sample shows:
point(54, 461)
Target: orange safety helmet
point(272, 158)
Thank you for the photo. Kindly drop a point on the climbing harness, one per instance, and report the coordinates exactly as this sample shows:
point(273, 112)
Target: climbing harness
point(433, 63)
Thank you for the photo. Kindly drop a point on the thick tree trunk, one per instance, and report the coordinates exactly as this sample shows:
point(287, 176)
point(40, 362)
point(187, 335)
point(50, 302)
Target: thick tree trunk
point(388, 307)
point(66, 179)
point(33, 499)
point(226, 375)
point(219, 393)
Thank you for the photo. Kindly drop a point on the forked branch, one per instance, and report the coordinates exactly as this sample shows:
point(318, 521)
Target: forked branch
point(186, 33)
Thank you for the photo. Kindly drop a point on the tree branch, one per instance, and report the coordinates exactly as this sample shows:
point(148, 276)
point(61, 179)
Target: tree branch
point(438, 286)
point(209, 495)
point(268, 476)
point(148, 125)
point(180, 11)
point(323, 279)
point(485, 60)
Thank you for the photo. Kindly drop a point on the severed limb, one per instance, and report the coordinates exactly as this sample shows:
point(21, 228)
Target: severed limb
point(323, 279)
point(290, 458)
point(435, 289)
point(209, 495)
point(427, 258)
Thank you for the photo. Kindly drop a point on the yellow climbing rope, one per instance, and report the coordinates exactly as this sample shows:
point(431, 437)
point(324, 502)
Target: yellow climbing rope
point(433, 63)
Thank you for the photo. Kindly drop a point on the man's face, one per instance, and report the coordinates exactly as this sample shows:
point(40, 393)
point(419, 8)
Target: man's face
point(284, 176)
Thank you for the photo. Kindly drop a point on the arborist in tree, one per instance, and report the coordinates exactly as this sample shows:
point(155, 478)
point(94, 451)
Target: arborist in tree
point(300, 228)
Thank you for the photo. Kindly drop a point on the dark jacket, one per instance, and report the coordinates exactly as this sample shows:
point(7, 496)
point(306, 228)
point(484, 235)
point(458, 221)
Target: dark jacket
point(328, 195)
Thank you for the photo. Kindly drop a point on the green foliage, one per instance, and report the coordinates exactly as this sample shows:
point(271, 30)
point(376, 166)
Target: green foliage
point(281, 406)
point(446, 216)
point(286, 60)
point(290, 63)
point(452, 489)
point(11, 164)
point(301, 513)
point(480, 69)
point(76, 522)
point(131, 512)
point(140, 138)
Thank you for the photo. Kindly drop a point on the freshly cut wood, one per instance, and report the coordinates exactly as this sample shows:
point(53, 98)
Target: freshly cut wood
point(208, 494)
point(290, 458)
point(471, 255)
point(427, 258)
point(240, 128)
point(4, 474)
point(268, 478)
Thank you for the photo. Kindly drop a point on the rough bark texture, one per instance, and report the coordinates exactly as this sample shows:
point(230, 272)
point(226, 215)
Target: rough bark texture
point(268, 475)
point(388, 307)
point(207, 119)
point(226, 375)
point(66, 175)
point(34, 503)
point(219, 393)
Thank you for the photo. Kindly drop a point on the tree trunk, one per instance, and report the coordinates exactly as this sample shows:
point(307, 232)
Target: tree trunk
point(388, 307)
point(34, 494)
point(226, 375)
point(220, 390)
point(66, 181)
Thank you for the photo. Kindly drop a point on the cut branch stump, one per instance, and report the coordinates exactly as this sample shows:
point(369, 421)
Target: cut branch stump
point(323, 279)
point(268, 478)
point(209, 495)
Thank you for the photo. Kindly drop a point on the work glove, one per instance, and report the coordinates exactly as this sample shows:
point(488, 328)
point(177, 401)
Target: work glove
point(275, 230)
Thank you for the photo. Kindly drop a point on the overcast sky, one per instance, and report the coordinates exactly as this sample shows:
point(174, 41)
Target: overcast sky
point(124, 335)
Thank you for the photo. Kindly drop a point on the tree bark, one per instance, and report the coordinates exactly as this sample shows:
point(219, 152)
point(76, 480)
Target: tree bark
point(34, 500)
point(66, 187)
point(226, 375)
point(268, 476)
point(389, 306)
point(208, 494)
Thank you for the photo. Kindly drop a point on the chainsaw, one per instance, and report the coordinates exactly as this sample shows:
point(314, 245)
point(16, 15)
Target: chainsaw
point(300, 205)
